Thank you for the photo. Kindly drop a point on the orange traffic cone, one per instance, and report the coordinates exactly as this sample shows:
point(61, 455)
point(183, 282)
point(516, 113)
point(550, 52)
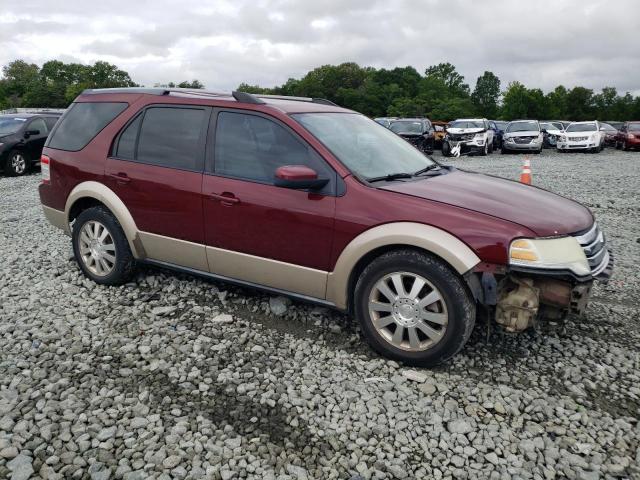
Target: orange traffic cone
point(525, 176)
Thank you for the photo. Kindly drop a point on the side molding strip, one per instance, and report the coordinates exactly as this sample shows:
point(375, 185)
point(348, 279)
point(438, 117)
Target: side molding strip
point(270, 273)
point(213, 276)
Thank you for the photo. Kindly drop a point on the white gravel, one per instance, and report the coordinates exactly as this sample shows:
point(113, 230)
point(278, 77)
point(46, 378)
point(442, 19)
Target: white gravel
point(174, 377)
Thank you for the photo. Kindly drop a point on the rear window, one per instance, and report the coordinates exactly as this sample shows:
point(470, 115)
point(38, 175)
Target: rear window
point(634, 127)
point(81, 122)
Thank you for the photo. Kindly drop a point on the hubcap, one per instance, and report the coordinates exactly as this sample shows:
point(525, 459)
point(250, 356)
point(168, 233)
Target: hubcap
point(18, 163)
point(97, 249)
point(408, 311)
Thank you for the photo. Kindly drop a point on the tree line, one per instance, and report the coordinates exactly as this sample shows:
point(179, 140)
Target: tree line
point(440, 93)
point(56, 83)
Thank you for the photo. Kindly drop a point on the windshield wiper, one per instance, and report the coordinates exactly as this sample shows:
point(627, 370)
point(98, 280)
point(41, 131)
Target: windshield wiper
point(426, 169)
point(391, 176)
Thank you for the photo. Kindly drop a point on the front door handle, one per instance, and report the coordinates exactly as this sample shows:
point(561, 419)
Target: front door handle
point(226, 198)
point(120, 177)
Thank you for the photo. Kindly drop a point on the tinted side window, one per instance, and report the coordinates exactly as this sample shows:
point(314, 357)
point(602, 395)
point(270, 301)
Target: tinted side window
point(38, 124)
point(252, 147)
point(171, 137)
point(81, 122)
point(50, 121)
point(126, 147)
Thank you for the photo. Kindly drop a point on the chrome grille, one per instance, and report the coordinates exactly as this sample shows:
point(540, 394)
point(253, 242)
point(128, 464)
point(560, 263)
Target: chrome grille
point(462, 136)
point(524, 140)
point(595, 248)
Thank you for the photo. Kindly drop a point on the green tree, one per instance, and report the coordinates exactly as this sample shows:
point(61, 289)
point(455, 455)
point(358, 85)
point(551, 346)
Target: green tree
point(580, 103)
point(515, 101)
point(451, 78)
point(486, 94)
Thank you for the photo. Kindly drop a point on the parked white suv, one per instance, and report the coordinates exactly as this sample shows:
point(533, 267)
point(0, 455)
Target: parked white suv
point(468, 135)
point(582, 136)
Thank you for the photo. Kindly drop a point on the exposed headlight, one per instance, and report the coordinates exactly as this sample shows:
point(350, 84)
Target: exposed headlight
point(550, 253)
point(563, 138)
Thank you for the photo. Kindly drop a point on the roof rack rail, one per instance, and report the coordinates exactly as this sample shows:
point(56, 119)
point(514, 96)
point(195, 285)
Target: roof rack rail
point(321, 101)
point(244, 97)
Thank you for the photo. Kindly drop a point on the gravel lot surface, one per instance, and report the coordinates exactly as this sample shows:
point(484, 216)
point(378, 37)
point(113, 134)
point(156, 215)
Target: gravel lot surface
point(171, 376)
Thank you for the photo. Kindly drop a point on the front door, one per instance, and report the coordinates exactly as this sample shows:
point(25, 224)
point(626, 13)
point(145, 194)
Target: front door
point(35, 141)
point(255, 231)
point(156, 170)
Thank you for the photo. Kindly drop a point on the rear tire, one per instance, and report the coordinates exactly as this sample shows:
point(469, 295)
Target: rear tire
point(426, 315)
point(17, 164)
point(101, 247)
point(504, 151)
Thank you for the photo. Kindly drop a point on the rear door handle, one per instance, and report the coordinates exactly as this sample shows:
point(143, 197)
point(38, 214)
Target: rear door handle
point(226, 198)
point(120, 177)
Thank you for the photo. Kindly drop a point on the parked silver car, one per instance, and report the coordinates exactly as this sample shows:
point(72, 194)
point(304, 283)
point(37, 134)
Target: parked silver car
point(524, 135)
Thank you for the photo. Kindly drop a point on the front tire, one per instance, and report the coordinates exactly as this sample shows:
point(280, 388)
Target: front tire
point(412, 307)
point(101, 247)
point(16, 164)
point(446, 149)
point(625, 147)
point(485, 150)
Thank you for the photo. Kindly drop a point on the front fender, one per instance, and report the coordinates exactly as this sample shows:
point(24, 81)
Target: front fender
point(452, 250)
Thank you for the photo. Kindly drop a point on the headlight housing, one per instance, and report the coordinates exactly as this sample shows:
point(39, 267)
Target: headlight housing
point(564, 253)
point(563, 138)
point(479, 136)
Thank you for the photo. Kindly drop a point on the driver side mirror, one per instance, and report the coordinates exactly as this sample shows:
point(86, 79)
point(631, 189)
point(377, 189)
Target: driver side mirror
point(299, 177)
point(28, 133)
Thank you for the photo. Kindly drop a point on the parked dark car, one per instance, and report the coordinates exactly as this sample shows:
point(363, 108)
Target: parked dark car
point(22, 136)
point(615, 124)
point(419, 132)
point(304, 198)
point(610, 134)
point(498, 127)
point(628, 136)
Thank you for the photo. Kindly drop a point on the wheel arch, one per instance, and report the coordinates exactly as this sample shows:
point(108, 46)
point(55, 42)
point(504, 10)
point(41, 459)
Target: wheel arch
point(88, 194)
point(392, 236)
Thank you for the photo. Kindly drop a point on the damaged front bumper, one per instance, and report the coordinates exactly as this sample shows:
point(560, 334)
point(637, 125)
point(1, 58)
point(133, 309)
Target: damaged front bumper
point(525, 298)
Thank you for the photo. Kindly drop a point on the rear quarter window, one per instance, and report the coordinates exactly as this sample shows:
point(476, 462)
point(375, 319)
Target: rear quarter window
point(82, 122)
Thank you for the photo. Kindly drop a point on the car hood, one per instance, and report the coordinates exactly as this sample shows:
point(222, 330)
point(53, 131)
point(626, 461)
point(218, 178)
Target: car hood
point(579, 134)
point(409, 134)
point(525, 133)
point(458, 131)
point(546, 214)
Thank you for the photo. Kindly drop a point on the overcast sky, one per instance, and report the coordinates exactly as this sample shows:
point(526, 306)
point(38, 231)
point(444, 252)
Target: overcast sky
point(222, 43)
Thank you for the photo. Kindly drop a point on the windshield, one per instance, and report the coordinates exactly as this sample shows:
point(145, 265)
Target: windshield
point(608, 128)
point(406, 127)
point(522, 127)
point(466, 124)
point(634, 127)
point(502, 125)
point(11, 125)
point(366, 148)
point(582, 127)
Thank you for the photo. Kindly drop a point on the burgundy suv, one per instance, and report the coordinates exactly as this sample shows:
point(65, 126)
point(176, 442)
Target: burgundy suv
point(301, 197)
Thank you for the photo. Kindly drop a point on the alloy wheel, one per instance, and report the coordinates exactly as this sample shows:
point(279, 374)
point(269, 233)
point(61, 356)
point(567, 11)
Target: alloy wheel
point(18, 163)
point(408, 311)
point(97, 248)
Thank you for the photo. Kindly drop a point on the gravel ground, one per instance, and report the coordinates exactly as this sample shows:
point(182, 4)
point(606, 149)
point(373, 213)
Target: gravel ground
point(175, 377)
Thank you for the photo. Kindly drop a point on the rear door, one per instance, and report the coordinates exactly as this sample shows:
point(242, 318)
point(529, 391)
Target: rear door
point(258, 232)
point(155, 168)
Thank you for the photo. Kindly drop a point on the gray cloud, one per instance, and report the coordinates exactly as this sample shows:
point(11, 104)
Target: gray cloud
point(542, 43)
